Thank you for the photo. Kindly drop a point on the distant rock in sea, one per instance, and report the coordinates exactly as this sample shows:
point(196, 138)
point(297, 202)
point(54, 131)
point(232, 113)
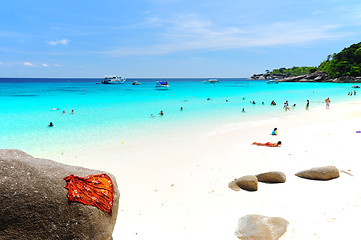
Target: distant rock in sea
point(319, 173)
point(34, 203)
point(257, 227)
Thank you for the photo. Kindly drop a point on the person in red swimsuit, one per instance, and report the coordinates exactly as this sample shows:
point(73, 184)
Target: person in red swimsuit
point(268, 144)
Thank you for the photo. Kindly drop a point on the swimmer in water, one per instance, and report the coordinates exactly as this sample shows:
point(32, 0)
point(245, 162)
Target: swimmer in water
point(50, 124)
point(161, 113)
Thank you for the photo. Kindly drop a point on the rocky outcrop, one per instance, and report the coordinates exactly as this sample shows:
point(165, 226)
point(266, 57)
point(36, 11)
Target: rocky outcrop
point(312, 77)
point(248, 183)
point(265, 76)
point(34, 205)
point(257, 227)
point(319, 173)
point(272, 177)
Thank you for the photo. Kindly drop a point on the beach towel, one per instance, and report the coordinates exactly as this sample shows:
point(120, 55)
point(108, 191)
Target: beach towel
point(94, 190)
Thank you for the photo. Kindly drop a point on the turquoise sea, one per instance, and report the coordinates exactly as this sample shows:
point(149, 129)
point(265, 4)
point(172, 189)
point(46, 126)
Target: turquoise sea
point(106, 114)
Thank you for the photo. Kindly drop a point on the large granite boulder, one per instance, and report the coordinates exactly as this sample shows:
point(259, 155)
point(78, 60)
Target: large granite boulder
point(319, 173)
point(34, 205)
point(272, 177)
point(257, 227)
point(248, 183)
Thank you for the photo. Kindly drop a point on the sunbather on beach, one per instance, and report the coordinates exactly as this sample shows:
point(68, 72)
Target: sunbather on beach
point(268, 144)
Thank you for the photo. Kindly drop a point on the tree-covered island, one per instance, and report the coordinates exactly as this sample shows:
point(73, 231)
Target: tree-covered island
point(344, 66)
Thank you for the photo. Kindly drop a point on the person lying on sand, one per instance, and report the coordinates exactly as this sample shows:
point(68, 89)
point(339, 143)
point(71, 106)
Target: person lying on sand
point(268, 144)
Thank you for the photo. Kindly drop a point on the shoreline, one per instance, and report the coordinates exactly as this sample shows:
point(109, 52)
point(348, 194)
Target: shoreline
point(178, 187)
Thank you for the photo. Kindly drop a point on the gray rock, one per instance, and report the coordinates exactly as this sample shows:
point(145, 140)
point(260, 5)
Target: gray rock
point(34, 205)
point(272, 177)
point(319, 173)
point(248, 183)
point(257, 227)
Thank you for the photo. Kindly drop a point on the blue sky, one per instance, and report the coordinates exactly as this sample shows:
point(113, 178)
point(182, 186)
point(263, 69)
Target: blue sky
point(171, 38)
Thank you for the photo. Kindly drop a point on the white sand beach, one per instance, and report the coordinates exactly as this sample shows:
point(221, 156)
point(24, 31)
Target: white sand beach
point(176, 187)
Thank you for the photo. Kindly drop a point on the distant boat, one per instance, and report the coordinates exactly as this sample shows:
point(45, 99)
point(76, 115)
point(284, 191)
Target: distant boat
point(355, 86)
point(113, 79)
point(161, 85)
point(211, 81)
point(272, 81)
point(135, 83)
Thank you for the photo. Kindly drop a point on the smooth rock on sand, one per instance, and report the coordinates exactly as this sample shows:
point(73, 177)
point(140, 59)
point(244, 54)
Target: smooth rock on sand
point(272, 177)
point(34, 205)
point(248, 183)
point(257, 227)
point(319, 173)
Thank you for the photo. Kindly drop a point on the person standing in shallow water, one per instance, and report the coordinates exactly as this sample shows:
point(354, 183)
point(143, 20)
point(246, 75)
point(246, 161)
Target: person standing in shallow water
point(285, 106)
point(307, 104)
point(327, 101)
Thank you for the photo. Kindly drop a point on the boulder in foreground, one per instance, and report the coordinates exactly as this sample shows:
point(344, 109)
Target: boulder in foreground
point(272, 177)
point(248, 183)
point(319, 173)
point(34, 205)
point(257, 227)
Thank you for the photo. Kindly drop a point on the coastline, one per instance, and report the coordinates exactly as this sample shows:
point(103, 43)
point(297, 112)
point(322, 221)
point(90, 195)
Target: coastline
point(177, 187)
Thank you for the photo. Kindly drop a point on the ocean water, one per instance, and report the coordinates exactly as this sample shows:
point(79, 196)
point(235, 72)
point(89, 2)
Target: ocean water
point(108, 114)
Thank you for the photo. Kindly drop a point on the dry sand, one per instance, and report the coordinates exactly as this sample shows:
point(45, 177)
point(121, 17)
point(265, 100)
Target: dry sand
point(176, 187)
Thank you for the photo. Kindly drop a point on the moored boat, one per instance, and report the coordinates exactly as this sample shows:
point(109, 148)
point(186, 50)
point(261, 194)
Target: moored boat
point(211, 81)
point(135, 83)
point(113, 79)
point(161, 85)
point(272, 81)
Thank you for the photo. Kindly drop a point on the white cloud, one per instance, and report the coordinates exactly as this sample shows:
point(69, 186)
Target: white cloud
point(45, 65)
point(57, 42)
point(185, 33)
point(28, 64)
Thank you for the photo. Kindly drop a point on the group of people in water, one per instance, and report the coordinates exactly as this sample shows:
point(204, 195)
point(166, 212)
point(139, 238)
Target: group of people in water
point(51, 123)
point(350, 93)
point(273, 103)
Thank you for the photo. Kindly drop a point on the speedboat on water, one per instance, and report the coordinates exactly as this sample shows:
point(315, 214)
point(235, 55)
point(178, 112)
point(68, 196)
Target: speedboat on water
point(113, 79)
point(211, 81)
point(135, 83)
point(161, 85)
point(272, 81)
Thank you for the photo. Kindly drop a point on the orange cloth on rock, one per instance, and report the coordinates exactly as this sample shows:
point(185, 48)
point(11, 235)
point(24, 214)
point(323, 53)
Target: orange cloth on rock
point(94, 190)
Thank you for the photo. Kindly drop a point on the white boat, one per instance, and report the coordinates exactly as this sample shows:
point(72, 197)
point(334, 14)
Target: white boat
point(211, 81)
point(161, 85)
point(272, 81)
point(135, 83)
point(113, 79)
